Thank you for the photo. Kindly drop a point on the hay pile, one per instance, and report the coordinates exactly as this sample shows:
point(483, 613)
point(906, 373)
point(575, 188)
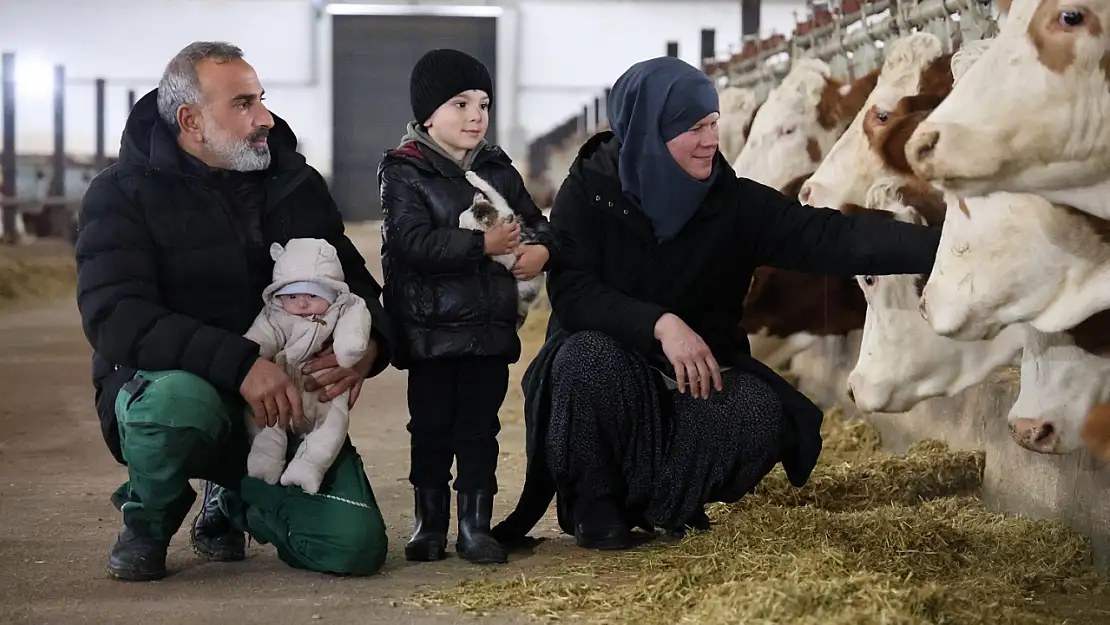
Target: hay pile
point(26, 280)
point(872, 538)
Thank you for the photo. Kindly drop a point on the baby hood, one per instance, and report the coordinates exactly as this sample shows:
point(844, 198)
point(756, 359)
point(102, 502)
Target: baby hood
point(306, 260)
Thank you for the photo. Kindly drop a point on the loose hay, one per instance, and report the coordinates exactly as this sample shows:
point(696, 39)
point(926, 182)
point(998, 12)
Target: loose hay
point(873, 538)
point(24, 280)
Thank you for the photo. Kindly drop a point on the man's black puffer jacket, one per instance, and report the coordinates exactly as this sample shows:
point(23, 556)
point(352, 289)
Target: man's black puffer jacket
point(172, 257)
point(447, 298)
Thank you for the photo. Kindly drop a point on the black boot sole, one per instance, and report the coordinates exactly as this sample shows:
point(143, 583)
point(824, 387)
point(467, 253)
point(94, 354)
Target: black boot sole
point(480, 558)
point(135, 576)
point(426, 550)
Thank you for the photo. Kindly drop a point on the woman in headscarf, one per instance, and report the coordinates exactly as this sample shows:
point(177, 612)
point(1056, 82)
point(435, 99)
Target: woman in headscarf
point(644, 403)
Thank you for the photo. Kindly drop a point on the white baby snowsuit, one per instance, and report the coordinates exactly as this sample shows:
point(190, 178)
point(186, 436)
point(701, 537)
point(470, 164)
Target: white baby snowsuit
point(291, 341)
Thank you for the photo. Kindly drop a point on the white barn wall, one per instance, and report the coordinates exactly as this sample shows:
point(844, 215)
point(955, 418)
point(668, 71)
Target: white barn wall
point(553, 56)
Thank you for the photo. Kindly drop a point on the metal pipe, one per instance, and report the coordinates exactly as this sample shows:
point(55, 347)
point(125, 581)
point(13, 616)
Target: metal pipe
point(58, 181)
point(100, 161)
point(751, 71)
point(130, 100)
point(7, 157)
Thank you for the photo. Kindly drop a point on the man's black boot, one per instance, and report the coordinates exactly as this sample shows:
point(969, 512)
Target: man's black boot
point(137, 557)
point(475, 542)
point(429, 533)
point(212, 535)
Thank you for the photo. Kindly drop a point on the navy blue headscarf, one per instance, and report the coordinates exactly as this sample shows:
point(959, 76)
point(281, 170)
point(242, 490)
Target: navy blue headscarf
point(650, 104)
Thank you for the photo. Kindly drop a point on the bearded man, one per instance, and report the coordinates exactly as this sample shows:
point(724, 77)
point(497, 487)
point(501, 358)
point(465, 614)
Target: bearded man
point(172, 257)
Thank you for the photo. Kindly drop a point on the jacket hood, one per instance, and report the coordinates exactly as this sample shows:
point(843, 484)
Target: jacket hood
point(423, 153)
point(306, 260)
point(149, 142)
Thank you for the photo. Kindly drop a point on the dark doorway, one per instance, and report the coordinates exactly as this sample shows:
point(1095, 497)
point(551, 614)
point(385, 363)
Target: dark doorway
point(371, 60)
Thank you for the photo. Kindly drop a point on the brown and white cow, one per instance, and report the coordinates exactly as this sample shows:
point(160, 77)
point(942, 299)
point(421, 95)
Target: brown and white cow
point(1010, 258)
point(1064, 377)
point(786, 311)
point(915, 65)
point(799, 122)
point(902, 361)
point(738, 106)
point(1032, 114)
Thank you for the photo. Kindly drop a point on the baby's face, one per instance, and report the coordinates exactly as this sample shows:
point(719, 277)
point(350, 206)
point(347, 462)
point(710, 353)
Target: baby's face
point(303, 304)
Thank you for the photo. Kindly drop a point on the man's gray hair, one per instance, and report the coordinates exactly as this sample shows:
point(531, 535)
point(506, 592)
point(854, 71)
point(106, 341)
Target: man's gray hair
point(180, 84)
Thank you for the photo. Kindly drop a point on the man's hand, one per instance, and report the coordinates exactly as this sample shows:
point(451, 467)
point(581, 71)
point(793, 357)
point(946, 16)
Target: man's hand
point(338, 379)
point(689, 355)
point(271, 395)
point(530, 259)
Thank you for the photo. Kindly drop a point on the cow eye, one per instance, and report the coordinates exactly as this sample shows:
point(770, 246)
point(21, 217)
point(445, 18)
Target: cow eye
point(869, 280)
point(1071, 18)
point(882, 116)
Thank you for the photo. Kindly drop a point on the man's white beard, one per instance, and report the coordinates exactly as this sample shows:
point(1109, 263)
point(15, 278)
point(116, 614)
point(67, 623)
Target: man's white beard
point(235, 154)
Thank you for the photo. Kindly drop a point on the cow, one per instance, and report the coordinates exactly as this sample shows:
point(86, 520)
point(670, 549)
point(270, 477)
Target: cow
point(915, 64)
point(1065, 376)
point(902, 361)
point(1009, 258)
point(738, 107)
point(786, 311)
point(798, 122)
point(1032, 115)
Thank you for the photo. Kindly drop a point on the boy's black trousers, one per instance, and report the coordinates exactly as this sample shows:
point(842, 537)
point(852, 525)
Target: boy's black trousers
point(453, 405)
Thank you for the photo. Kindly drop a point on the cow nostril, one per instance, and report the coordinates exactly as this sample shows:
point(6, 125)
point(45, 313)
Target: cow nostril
point(1044, 433)
point(805, 193)
point(851, 395)
point(926, 144)
point(923, 309)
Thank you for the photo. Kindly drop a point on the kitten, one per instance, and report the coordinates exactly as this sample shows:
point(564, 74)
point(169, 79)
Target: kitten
point(488, 209)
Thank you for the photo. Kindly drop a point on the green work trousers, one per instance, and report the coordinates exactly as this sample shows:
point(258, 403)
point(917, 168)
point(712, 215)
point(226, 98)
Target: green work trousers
point(175, 426)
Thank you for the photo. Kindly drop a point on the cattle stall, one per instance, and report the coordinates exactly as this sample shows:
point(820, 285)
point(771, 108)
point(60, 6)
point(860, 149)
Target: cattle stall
point(854, 39)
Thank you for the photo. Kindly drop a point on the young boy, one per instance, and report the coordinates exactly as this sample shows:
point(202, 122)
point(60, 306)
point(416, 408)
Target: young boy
point(456, 307)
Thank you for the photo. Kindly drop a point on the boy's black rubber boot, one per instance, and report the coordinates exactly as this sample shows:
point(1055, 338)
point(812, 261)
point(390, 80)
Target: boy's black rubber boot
point(476, 544)
point(429, 534)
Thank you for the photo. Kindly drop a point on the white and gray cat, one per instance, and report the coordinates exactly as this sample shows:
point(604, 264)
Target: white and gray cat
point(488, 209)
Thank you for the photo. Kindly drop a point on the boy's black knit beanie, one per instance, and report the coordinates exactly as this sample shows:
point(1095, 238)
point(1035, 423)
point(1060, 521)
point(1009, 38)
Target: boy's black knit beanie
point(441, 75)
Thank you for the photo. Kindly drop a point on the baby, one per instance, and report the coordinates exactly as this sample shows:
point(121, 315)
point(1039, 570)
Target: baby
point(306, 304)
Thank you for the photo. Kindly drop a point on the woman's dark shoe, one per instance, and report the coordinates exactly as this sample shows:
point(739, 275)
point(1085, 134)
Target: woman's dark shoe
point(699, 522)
point(598, 524)
point(476, 544)
point(429, 534)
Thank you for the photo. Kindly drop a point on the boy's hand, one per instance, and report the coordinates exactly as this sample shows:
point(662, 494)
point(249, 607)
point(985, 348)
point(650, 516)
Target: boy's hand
point(530, 259)
point(502, 239)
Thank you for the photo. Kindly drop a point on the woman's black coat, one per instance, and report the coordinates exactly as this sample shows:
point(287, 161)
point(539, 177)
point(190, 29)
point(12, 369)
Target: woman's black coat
point(612, 276)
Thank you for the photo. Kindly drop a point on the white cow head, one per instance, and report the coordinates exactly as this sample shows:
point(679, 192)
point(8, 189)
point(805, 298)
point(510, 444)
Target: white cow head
point(1032, 114)
point(1007, 258)
point(902, 361)
point(798, 123)
point(737, 108)
point(913, 62)
point(1063, 378)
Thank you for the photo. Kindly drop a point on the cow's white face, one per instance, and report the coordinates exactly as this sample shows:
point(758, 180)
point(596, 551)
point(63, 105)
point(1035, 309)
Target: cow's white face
point(1033, 113)
point(851, 166)
point(787, 138)
point(1013, 257)
point(1060, 384)
point(902, 361)
point(737, 107)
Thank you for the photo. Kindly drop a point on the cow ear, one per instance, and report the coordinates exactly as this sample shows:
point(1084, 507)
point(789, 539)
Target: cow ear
point(276, 250)
point(328, 251)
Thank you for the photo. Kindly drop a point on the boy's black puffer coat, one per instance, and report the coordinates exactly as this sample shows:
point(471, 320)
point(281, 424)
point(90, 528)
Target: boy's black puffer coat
point(448, 299)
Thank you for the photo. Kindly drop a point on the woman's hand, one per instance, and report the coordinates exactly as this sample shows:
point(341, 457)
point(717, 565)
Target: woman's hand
point(689, 355)
point(530, 259)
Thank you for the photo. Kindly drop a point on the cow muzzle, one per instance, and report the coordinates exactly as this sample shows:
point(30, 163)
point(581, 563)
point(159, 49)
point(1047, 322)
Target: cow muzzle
point(1036, 435)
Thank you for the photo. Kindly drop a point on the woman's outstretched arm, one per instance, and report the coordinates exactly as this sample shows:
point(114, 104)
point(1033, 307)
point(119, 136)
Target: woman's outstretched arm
point(783, 233)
